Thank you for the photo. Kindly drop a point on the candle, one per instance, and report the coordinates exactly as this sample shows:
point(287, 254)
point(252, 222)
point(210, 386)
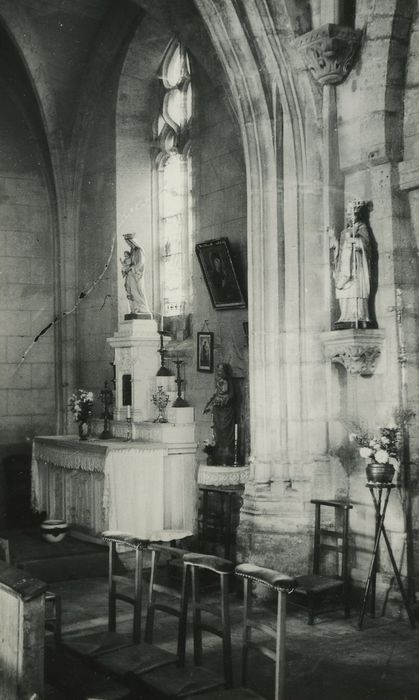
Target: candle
point(128, 411)
point(162, 317)
point(236, 430)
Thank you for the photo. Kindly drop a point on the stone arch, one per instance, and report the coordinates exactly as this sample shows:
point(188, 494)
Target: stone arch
point(253, 106)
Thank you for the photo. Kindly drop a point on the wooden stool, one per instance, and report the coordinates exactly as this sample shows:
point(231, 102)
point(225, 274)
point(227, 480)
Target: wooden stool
point(183, 682)
point(138, 545)
point(157, 548)
point(282, 585)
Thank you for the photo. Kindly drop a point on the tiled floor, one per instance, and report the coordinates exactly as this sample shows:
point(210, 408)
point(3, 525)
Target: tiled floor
point(330, 660)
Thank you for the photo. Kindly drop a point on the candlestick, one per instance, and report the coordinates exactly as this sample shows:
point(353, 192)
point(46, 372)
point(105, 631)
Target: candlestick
point(106, 396)
point(179, 402)
point(163, 371)
point(236, 433)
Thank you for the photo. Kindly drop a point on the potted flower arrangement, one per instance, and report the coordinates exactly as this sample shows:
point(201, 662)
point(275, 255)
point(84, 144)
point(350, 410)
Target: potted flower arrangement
point(81, 404)
point(382, 449)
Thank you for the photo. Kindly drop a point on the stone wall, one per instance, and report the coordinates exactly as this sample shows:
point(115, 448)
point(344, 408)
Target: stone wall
point(27, 369)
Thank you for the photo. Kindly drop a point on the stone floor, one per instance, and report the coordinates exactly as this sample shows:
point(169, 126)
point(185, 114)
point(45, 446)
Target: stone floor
point(332, 659)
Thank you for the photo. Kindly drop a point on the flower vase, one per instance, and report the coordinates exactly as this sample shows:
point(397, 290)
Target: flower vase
point(380, 473)
point(84, 428)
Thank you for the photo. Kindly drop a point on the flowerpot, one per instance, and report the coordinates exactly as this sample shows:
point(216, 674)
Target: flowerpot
point(380, 473)
point(54, 530)
point(84, 429)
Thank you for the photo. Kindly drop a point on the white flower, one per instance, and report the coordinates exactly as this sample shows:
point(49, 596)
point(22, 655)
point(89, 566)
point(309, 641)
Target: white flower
point(365, 452)
point(352, 437)
point(385, 441)
point(381, 456)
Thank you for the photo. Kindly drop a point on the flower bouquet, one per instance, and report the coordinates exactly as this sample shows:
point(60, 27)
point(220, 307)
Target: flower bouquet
point(81, 404)
point(382, 449)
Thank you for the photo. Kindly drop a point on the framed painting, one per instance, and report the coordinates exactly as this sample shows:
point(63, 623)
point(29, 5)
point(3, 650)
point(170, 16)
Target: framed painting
point(205, 351)
point(219, 274)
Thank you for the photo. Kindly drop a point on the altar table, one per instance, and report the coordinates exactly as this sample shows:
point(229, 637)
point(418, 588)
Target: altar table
point(98, 485)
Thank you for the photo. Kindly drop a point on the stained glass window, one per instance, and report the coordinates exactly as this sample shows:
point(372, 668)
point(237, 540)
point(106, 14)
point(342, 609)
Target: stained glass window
point(172, 134)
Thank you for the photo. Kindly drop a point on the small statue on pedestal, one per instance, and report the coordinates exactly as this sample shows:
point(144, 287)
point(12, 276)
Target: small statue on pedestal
point(222, 405)
point(352, 266)
point(133, 273)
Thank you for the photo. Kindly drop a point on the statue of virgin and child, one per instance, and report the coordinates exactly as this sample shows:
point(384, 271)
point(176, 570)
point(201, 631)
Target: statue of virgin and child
point(133, 273)
point(222, 405)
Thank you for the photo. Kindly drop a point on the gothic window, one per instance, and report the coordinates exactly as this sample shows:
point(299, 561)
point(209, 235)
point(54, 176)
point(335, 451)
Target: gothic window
point(172, 137)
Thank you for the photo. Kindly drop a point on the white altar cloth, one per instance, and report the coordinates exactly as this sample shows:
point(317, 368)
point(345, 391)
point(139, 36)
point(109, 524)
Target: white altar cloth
point(128, 475)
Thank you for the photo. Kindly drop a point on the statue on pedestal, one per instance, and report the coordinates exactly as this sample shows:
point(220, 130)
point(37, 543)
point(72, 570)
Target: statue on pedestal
point(133, 274)
point(222, 406)
point(352, 266)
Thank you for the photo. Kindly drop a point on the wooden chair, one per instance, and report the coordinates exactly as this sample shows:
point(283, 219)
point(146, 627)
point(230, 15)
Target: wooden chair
point(138, 545)
point(282, 585)
point(184, 682)
point(112, 653)
point(158, 546)
point(97, 643)
point(327, 591)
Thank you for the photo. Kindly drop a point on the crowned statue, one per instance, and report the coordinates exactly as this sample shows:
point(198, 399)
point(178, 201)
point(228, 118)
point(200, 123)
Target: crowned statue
point(352, 266)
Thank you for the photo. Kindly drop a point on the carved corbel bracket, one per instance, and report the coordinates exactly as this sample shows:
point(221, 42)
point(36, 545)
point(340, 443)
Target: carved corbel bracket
point(330, 52)
point(356, 349)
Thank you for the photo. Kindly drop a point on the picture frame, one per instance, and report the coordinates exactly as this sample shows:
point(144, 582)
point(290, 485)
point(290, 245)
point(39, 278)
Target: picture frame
point(219, 274)
point(205, 351)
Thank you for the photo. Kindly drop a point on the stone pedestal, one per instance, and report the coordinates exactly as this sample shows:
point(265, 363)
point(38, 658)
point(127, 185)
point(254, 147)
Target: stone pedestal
point(136, 345)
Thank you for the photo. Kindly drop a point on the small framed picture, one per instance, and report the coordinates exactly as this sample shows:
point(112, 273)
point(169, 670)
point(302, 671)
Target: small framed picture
point(220, 276)
point(205, 352)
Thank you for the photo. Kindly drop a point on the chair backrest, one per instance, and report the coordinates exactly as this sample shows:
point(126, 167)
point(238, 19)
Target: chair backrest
point(282, 584)
point(339, 532)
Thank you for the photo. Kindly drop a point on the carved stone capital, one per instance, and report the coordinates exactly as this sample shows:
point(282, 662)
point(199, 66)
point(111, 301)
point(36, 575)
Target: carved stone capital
point(356, 349)
point(329, 52)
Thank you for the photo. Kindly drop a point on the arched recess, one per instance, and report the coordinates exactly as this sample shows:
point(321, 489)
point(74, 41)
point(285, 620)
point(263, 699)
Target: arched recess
point(217, 165)
point(29, 48)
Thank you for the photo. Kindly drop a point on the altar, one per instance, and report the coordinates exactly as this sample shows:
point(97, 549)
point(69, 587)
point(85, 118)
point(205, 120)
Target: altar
point(97, 485)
